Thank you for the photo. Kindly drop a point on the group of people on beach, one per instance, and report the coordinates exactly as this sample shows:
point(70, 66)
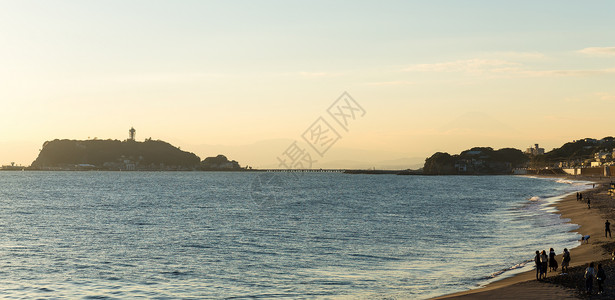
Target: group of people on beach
point(590, 274)
point(544, 262)
point(580, 198)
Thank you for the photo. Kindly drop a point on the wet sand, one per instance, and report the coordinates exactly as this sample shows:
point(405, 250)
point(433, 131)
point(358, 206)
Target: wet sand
point(591, 221)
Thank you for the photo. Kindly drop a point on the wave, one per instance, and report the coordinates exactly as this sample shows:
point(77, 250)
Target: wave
point(566, 181)
point(515, 267)
point(367, 256)
point(534, 198)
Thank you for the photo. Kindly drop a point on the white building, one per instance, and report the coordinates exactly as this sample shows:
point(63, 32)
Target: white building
point(535, 150)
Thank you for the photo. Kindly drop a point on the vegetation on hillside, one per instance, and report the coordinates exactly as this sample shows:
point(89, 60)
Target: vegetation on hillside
point(478, 160)
point(574, 153)
point(59, 153)
point(219, 163)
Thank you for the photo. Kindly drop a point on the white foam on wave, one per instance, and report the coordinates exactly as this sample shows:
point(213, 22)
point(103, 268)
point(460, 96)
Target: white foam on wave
point(515, 267)
point(573, 182)
point(535, 198)
point(566, 181)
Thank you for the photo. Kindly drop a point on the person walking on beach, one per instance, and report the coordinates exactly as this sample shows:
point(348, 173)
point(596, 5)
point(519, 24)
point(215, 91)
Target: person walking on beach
point(552, 261)
point(607, 228)
point(600, 277)
point(543, 264)
point(588, 203)
point(590, 273)
point(565, 260)
point(581, 197)
point(538, 264)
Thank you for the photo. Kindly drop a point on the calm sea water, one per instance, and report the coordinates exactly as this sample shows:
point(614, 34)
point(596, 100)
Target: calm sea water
point(100, 235)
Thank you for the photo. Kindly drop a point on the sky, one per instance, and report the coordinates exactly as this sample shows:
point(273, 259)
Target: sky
point(250, 78)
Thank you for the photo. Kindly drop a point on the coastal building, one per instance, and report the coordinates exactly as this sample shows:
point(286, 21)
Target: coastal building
point(602, 156)
point(129, 165)
point(535, 150)
point(12, 167)
point(461, 166)
point(593, 141)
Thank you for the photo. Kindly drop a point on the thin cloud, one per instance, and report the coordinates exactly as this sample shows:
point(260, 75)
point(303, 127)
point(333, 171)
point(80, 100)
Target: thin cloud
point(316, 74)
point(515, 55)
point(469, 66)
point(593, 98)
point(559, 118)
point(566, 73)
point(605, 96)
point(391, 83)
point(598, 51)
point(160, 78)
point(498, 68)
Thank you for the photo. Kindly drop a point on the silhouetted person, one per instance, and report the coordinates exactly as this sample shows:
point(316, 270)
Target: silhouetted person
point(538, 264)
point(581, 196)
point(607, 228)
point(590, 273)
point(588, 203)
point(577, 196)
point(600, 277)
point(552, 261)
point(544, 260)
point(565, 260)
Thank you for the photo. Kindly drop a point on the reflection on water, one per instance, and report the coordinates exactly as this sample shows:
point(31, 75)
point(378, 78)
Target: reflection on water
point(213, 235)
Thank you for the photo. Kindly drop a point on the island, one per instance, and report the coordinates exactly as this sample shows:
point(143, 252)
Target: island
point(128, 155)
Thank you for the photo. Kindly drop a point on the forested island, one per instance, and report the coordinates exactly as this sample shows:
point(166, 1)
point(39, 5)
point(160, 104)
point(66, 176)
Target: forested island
point(128, 155)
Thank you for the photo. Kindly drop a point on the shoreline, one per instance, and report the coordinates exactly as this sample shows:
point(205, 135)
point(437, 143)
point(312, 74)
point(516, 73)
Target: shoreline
point(524, 285)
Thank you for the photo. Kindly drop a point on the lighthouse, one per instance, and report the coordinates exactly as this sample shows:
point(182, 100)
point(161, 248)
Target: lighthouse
point(131, 134)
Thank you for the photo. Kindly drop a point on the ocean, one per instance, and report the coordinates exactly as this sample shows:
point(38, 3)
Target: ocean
point(208, 235)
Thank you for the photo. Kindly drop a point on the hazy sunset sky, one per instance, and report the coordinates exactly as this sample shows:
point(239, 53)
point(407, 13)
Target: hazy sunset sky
point(249, 77)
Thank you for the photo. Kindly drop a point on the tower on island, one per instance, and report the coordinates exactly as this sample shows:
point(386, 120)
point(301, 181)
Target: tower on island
point(131, 134)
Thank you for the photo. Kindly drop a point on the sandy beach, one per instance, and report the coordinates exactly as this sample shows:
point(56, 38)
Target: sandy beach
point(591, 221)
